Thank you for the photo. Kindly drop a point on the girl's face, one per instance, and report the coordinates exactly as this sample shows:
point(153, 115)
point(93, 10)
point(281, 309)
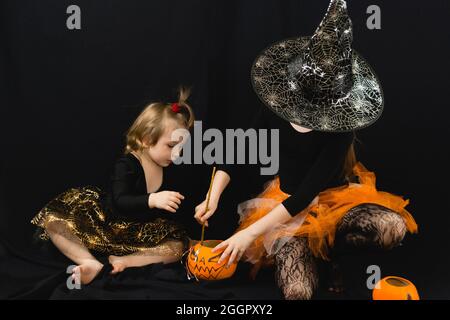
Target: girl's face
point(300, 128)
point(161, 152)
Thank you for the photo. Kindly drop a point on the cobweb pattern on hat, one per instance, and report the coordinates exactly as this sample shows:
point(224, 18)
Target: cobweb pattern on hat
point(320, 82)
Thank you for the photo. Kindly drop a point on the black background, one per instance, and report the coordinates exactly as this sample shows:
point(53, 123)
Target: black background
point(69, 96)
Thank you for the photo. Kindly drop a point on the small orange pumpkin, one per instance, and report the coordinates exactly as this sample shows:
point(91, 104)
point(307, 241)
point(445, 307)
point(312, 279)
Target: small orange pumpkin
point(202, 263)
point(395, 288)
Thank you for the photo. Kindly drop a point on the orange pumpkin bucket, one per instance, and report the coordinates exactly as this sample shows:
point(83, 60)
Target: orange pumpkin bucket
point(395, 288)
point(202, 262)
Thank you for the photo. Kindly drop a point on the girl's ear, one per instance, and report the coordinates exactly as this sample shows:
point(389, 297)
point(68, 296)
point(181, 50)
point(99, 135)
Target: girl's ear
point(145, 142)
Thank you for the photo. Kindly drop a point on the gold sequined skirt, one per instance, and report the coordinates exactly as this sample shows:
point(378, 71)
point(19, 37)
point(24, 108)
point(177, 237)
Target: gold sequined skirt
point(79, 215)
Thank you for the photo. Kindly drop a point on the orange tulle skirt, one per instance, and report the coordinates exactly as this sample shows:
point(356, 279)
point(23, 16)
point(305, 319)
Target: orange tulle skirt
point(318, 222)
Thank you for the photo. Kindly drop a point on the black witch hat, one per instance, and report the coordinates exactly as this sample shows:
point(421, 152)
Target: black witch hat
point(320, 82)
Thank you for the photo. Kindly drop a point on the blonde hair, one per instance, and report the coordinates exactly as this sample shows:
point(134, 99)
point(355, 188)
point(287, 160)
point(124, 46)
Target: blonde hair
point(151, 121)
point(350, 160)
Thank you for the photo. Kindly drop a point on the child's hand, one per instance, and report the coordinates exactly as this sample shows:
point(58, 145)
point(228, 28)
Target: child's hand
point(166, 200)
point(234, 247)
point(200, 211)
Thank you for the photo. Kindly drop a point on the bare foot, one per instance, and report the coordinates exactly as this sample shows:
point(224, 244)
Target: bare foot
point(117, 263)
point(87, 270)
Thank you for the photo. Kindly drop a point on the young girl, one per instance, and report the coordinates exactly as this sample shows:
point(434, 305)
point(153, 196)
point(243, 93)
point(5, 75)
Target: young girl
point(133, 222)
point(319, 92)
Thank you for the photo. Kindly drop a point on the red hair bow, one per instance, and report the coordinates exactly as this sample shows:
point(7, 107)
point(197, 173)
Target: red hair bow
point(175, 107)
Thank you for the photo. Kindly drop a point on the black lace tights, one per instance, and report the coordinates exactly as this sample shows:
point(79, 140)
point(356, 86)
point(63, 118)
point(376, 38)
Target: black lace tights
point(364, 225)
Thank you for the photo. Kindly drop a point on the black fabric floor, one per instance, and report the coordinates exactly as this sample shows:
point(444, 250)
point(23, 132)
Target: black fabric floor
point(40, 273)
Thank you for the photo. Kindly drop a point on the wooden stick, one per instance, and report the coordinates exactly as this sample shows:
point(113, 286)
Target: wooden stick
point(207, 203)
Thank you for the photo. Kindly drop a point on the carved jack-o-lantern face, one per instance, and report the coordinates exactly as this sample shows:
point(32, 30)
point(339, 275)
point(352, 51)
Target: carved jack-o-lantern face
point(202, 263)
point(395, 288)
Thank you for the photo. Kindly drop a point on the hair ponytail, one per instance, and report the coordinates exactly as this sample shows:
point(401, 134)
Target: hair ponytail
point(185, 108)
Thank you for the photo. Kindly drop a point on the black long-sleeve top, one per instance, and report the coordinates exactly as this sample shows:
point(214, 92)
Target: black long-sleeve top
point(127, 196)
point(308, 162)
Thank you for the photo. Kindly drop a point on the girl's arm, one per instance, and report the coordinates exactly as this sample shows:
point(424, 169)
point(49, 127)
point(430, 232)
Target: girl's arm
point(131, 204)
point(124, 196)
point(224, 173)
point(221, 180)
point(239, 242)
point(279, 214)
